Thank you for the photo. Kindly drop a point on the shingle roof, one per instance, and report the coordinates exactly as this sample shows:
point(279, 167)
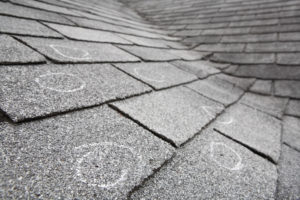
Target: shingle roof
point(139, 99)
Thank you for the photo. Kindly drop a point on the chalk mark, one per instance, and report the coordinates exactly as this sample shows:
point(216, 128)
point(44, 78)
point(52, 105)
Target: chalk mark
point(85, 54)
point(82, 85)
point(236, 167)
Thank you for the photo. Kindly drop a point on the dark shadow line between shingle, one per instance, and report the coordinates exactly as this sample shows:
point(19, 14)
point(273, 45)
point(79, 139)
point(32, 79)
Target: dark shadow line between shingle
point(68, 111)
point(23, 63)
point(160, 136)
point(37, 8)
point(291, 147)
point(262, 111)
point(33, 19)
point(146, 179)
point(140, 80)
point(212, 120)
point(292, 115)
point(266, 157)
point(28, 35)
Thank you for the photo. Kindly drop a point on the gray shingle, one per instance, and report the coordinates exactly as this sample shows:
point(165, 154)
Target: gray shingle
point(144, 41)
point(150, 54)
point(12, 51)
point(287, 88)
point(249, 38)
point(274, 47)
point(217, 89)
point(243, 83)
point(268, 72)
point(63, 51)
point(212, 167)
point(221, 47)
point(21, 11)
point(46, 6)
point(291, 131)
point(176, 114)
point(244, 58)
point(202, 69)
point(268, 104)
point(293, 108)
point(289, 172)
point(46, 89)
point(95, 153)
point(254, 129)
point(262, 87)
point(289, 36)
point(288, 58)
point(25, 27)
point(158, 75)
point(78, 33)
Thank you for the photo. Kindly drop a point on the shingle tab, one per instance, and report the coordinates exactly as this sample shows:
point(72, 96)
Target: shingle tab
point(25, 27)
point(63, 51)
point(254, 129)
point(78, 33)
point(268, 104)
point(158, 75)
point(202, 69)
point(46, 6)
point(12, 51)
point(244, 58)
point(287, 88)
point(151, 54)
point(291, 132)
point(21, 11)
point(90, 154)
point(262, 87)
point(47, 89)
point(212, 167)
point(293, 108)
point(217, 89)
point(289, 172)
point(159, 111)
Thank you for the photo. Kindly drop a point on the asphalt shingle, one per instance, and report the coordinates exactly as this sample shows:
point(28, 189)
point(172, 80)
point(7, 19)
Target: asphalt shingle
point(63, 51)
point(269, 104)
point(291, 132)
point(217, 89)
point(287, 88)
point(262, 87)
point(12, 51)
point(151, 54)
point(212, 167)
point(78, 33)
point(293, 108)
point(158, 75)
point(48, 89)
point(25, 27)
point(243, 58)
point(289, 172)
point(201, 69)
point(159, 112)
point(21, 11)
point(90, 154)
point(254, 129)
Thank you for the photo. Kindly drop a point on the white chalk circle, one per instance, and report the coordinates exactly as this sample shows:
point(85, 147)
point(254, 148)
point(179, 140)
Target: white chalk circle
point(225, 156)
point(209, 110)
point(144, 75)
point(60, 82)
point(106, 165)
point(73, 53)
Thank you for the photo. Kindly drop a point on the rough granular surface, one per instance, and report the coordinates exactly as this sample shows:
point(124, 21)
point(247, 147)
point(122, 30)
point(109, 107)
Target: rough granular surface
point(149, 99)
